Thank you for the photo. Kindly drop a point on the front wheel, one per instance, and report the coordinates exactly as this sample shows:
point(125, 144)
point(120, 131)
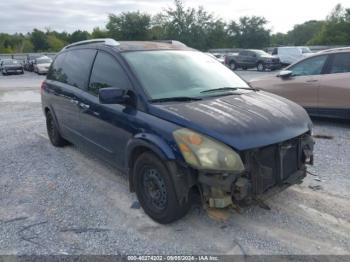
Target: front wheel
point(233, 66)
point(261, 67)
point(156, 191)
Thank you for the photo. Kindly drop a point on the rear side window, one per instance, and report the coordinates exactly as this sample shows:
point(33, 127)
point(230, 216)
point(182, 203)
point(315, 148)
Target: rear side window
point(341, 63)
point(73, 67)
point(107, 72)
point(311, 66)
point(56, 71)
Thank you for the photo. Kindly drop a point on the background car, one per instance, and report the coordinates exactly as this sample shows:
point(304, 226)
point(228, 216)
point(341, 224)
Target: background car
point(258, 59)
point(291, 54)
point(320, 83)
point(9, 66)
point(42, 64)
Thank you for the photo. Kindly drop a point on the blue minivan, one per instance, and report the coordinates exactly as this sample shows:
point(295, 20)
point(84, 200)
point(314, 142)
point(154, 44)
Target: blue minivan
point(177, 122)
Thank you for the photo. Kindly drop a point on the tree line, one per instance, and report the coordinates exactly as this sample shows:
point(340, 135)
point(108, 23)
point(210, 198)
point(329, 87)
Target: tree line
point(196, 27)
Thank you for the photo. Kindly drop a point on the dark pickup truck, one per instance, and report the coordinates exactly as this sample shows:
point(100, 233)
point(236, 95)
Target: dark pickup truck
point(253, 59)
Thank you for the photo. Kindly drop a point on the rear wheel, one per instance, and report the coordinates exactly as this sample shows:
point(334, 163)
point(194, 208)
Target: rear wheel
point(4, 72)
point(156, 191)
point(54, 135)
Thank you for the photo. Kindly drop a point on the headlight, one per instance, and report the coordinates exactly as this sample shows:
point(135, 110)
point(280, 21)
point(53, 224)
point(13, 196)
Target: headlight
point(203, 152)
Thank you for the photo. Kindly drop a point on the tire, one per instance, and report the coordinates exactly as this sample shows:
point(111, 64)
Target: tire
point(233, 66)
point(260, 67)
point(3, 73)
point(54, 135)
point(156, 191)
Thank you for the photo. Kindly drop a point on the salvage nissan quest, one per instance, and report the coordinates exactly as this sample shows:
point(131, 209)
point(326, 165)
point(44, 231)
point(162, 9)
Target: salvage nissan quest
point(177, 122)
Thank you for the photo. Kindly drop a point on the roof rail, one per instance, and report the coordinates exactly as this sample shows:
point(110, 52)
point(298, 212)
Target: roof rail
point(172, 42)
point(335, 49)
point(106, 41)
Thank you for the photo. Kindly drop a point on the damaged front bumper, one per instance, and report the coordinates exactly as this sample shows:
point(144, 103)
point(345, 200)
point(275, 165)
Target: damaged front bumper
point(267, 170)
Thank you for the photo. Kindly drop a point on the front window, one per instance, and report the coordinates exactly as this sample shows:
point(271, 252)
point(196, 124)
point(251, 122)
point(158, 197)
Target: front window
point(311, 66)
point(166, 74)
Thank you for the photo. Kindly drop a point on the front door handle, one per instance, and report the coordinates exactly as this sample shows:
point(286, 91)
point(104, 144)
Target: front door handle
point(84, 106)
point(74, 101)
point(311, 81)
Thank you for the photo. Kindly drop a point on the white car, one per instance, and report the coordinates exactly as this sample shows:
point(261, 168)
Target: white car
point(42, 64)
point(291, 54)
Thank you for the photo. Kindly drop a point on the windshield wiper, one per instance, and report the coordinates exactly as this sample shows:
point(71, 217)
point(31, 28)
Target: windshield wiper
point(223, 89)
point(176, 98)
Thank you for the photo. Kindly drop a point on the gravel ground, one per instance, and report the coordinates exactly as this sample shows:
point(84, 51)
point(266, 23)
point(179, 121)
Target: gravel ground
point(64, 201)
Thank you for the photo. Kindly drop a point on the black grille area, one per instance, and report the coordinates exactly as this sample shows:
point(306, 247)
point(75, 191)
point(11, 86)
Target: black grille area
point(272, 165)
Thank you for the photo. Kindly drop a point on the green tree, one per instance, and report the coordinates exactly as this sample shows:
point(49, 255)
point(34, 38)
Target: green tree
point(129, 26)
point(249, 32)
point(55, 44)
point(39, 40)
point(78, 35)
point(99, 33)
point(336, 29)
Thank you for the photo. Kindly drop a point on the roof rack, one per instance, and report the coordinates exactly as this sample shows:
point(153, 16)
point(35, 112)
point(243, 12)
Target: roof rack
point(106, 41)
point(335, 49)
point(172, 42)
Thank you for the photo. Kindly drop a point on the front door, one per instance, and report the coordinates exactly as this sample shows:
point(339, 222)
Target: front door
point(303, 86)
point(106, 128)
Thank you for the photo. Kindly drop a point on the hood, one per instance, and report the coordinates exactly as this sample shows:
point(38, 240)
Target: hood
point(244, 121)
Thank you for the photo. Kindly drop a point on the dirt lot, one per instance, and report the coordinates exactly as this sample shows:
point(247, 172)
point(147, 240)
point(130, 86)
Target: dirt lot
point(64, 201)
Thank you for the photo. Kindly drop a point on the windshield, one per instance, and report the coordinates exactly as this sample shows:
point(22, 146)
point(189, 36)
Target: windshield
point(165, 74)
point(10, 62)
point(44, 61)
point(261, 53)
point(305, 50)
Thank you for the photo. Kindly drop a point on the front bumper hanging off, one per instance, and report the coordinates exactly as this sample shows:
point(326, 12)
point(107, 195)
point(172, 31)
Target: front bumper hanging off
point(268, 170)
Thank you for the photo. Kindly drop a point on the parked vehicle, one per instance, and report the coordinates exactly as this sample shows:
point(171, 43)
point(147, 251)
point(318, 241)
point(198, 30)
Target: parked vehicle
point(319, 83)
point(29, 64)
point(253, 59)
point(220, 57)
point(180, 122)
point(42, 64)
point(9, 66)
point(291, 54)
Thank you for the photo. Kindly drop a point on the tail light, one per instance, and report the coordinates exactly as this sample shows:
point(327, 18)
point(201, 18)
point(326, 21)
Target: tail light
point(226, 60)
point(43, 86)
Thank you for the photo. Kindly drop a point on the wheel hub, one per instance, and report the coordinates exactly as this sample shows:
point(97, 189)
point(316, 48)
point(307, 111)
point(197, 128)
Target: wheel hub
point(155, 189)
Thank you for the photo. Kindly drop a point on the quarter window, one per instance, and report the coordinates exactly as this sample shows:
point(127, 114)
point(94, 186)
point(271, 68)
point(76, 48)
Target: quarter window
point(311, 66)
point(107, 73)
point(341, 63)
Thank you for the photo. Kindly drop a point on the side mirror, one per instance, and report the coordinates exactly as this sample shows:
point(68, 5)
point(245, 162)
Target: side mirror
point(113, 95)
point(285, 74)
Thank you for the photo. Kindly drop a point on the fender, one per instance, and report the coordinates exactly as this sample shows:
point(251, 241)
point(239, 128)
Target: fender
point(152, 142)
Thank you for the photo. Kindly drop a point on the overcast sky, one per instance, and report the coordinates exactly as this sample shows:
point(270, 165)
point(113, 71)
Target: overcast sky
point(69, 15)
